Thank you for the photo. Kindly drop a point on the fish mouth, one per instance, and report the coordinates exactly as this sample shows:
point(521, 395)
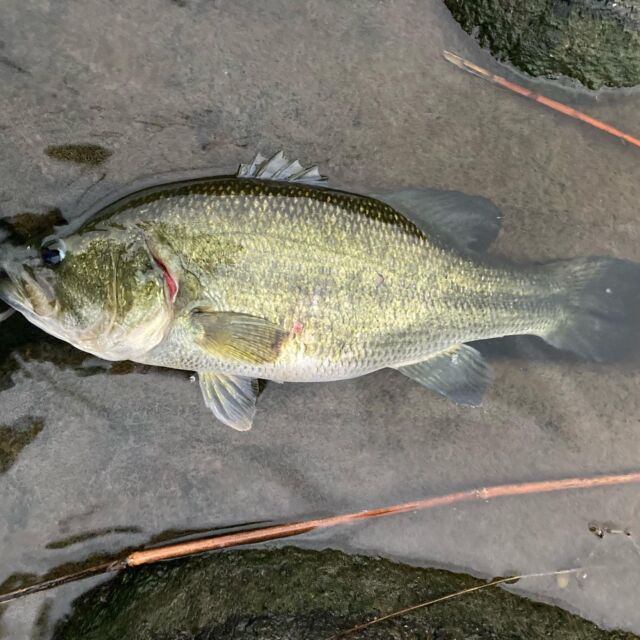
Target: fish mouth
point(6, 290)
point(17, 278)
point(27, 291)
point(10, 292)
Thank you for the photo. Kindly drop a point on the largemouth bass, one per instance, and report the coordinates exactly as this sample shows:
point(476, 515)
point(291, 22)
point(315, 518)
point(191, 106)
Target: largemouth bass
point(271, 274)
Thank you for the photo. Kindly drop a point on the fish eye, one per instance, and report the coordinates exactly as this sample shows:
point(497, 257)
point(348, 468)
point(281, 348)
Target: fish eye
point(53, 253)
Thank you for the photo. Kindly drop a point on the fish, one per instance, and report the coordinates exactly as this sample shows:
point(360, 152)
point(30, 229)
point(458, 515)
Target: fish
point(271, 274)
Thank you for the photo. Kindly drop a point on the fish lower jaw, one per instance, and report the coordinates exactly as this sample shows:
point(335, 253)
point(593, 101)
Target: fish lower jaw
point(133, 345)
point(105, 344)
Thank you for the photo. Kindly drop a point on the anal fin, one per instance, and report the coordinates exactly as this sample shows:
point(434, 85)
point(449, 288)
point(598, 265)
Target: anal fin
point(460, 373)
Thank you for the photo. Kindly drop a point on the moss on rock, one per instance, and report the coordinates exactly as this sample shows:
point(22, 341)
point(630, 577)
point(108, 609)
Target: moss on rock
point(593, 41)
point(291, 593)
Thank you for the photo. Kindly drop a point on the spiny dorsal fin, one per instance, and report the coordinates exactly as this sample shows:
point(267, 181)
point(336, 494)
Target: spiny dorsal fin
point(279, 168)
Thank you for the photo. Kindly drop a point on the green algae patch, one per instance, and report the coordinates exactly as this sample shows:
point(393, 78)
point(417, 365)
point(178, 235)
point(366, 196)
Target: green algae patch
point(292, 593)
point(89, 535)
point(592, 41)
point(30, 227)
point(14, 438)
point(87, 154)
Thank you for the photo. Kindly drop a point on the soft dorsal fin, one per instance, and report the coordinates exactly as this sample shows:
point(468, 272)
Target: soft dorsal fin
point(469, 223)
point(460, 373)
point(279, 168)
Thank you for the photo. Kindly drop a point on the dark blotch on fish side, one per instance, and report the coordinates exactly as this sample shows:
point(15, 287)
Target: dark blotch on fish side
point(15, 437)
point(89, 154)
point(293, 593)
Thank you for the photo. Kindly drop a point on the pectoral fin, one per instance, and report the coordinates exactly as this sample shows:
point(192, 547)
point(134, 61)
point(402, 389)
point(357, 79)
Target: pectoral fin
point(460, 373)
point(232, 399)
point(238, 337)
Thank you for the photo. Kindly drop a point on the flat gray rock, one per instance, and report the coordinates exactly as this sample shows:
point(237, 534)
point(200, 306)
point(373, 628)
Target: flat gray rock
point(362, 89)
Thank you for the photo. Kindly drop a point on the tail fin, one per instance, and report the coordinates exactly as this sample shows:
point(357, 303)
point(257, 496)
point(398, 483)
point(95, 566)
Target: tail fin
point(601, 318)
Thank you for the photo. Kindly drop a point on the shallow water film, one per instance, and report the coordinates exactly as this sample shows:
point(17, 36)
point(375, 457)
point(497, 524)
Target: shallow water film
point(100, 458)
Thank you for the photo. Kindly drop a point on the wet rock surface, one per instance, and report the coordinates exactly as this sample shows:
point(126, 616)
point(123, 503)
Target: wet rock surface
point(13, 438)
point(362, 89)
point(291, 593)
point(596, 42)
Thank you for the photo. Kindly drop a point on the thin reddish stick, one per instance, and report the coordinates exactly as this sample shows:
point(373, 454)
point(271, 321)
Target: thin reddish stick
point(282, 531)
point(536, 97)
point(170, 552)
